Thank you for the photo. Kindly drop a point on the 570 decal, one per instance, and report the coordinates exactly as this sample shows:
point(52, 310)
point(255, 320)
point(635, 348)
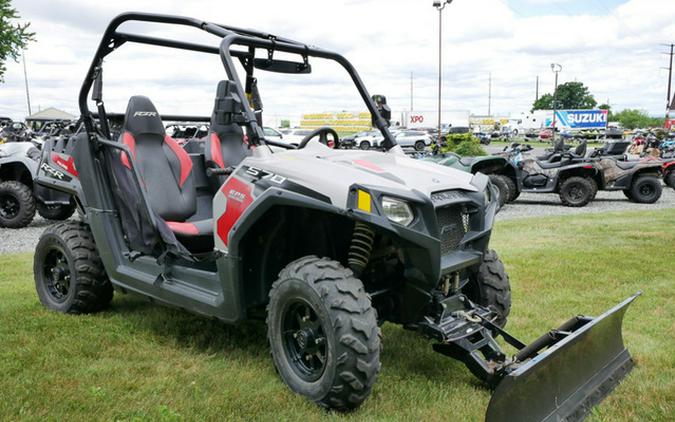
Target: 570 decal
point(265, 175)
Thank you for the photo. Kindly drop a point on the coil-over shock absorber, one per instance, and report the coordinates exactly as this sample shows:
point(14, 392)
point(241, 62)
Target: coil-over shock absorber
point(361, 247)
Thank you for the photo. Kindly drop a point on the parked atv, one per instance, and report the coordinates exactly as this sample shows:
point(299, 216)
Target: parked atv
point(324, 244)
point(502, 172)
point(20, 198)
point(640, 180)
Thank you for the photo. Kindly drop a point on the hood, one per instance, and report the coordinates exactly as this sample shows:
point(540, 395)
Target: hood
point(332, 172)
point(14, 148)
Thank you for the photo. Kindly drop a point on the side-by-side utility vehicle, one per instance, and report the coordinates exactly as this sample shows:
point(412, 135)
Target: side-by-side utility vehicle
point(323, 244)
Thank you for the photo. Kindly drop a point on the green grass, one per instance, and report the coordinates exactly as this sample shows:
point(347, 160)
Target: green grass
point(139, 361)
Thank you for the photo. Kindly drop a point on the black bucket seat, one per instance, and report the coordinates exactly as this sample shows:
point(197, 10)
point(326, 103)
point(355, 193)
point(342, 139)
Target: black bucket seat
point(165, 170)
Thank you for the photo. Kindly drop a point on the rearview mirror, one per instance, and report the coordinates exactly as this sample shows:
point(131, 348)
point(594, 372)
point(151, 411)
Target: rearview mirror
point(282, 66)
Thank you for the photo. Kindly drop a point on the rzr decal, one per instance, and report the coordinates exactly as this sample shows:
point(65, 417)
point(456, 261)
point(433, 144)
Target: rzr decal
point(53, 173)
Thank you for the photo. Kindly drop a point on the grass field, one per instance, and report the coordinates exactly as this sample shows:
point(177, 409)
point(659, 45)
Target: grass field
point(139, 361)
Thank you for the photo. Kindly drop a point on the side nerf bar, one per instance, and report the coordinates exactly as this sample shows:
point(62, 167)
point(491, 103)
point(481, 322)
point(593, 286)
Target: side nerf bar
point(565, 372)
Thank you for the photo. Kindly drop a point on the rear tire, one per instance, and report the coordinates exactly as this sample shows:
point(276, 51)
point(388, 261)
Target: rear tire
point(318, 308)
point(502, 187)
point(490, 287)
point(17, 205)
point(56, 212)
point(419, 146)
point(69, 274)
point(364, 145)
point(645, 190)
point(577, 191)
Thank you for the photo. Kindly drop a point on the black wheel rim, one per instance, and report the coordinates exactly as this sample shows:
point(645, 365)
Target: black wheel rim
point(56, 274)
point(646, 189)
point(576, 192)
point(304, 340)
point(9, 206)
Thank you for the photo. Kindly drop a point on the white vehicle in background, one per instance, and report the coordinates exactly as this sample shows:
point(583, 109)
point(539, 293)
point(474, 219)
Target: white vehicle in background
point(292, 136)
point(368, 140)
point(273, 134)
point(413, 139)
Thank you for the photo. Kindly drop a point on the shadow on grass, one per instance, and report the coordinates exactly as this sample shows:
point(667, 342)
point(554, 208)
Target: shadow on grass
point(177, 327)
point(406, 353)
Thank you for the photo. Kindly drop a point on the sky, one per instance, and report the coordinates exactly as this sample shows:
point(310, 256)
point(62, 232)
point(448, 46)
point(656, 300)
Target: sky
point(615, 47)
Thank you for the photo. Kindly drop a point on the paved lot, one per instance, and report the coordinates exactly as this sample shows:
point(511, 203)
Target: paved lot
point(528, 205)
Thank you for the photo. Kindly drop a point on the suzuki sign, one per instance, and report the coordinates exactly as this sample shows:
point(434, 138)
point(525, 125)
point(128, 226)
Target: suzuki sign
point(582, 119)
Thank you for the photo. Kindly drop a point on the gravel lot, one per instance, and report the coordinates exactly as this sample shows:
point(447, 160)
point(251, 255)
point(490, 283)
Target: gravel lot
point(527, 205)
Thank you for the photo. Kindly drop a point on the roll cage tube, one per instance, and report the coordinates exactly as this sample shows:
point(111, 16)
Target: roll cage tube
point(112, 39)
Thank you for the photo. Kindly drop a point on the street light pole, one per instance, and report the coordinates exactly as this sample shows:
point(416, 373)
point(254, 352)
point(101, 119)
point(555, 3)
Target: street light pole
point(555, 68)
point(440, 5)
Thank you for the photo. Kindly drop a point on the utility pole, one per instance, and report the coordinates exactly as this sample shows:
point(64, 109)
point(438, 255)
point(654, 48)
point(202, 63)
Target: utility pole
point(490, 95)
point(536, 90)
point(670, 81)
point(25, 77)
point(555, 68)
point(411, 91)
point(440, 5)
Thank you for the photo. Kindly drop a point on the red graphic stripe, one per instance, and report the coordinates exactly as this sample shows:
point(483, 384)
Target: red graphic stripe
point(66, 162)
point(183, 159)
point(239, 198)
point(128, 140)
point(183, 228)
point(216, 152)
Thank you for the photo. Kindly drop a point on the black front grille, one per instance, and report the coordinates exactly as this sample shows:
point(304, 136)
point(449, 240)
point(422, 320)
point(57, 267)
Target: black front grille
point(453, 223)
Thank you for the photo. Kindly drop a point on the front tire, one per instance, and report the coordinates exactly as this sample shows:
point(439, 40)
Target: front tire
point(56, 212)
point(364, 145)
point(645, 190)
point(323, 333)
point(502, 186)
point(490, 287)
point(577, 191)
point(17, 205)
point(69, 274)
point(419, 146)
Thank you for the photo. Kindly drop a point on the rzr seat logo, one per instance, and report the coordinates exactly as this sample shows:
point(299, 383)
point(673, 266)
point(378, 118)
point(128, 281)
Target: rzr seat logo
point(145, 114)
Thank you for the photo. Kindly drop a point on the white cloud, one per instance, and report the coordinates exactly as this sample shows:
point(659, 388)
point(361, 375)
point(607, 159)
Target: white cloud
point(617, 55)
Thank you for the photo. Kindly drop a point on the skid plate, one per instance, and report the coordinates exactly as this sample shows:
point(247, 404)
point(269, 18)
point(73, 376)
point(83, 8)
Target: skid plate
point(566, 380)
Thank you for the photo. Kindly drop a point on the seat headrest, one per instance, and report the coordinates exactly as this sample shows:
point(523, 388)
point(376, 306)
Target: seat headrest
point(227, 108)
point(581, 148)
point(142, 117)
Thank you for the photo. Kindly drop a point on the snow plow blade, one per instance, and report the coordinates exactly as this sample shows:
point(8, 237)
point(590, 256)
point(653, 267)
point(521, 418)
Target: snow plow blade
point(583, 361)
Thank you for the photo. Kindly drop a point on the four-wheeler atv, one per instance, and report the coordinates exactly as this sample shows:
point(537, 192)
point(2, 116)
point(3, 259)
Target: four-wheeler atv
point(502, 172)
point(323, 244)
point(640, 180)
point(19, 196)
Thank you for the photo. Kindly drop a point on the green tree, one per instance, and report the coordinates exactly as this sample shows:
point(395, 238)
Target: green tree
point(13, 36)
point(610, 116)
point(635, 119)
point(570, 96)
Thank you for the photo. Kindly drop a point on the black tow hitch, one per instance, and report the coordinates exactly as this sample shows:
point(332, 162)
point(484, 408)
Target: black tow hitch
point(559, 376)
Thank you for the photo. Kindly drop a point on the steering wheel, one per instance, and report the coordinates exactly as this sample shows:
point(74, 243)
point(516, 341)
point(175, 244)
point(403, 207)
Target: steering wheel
point(322, 133)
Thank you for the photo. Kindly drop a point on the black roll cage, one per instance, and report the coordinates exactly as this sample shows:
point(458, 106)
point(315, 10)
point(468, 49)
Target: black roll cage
point(112, 39)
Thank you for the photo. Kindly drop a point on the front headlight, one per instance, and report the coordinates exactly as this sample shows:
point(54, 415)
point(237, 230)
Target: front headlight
point(488, 193)
point(397, 210)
